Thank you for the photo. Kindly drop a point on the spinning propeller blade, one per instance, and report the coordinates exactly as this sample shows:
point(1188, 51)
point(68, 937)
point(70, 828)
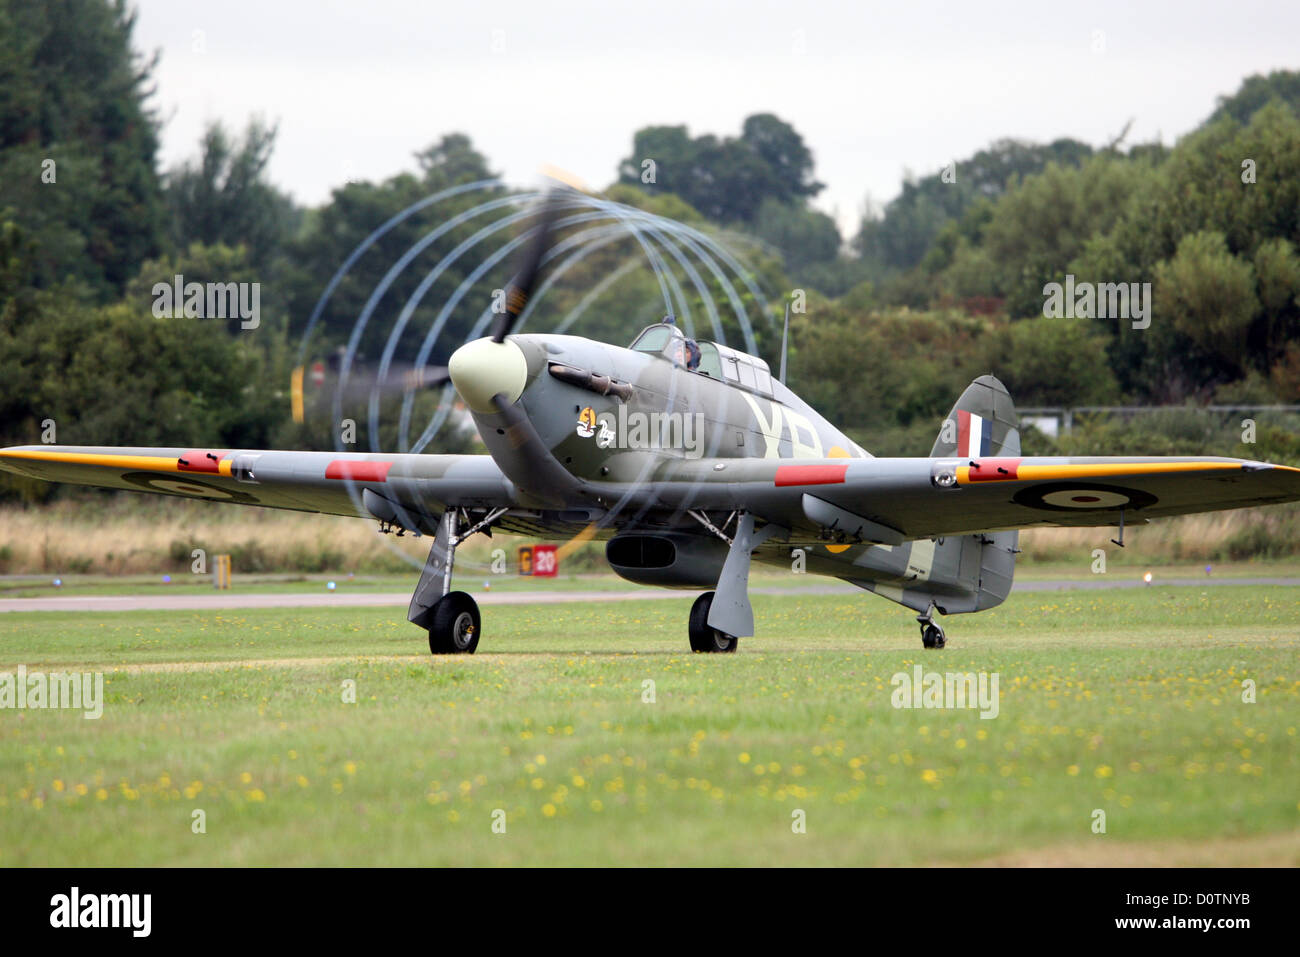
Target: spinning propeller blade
point(524, 281)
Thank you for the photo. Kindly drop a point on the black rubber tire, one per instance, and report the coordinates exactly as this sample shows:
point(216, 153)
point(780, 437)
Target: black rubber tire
point(703, 638)
point(454, 625)
point(932, 636)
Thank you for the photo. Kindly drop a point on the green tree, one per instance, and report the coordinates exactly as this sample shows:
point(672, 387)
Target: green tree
point(1277, 276)
point(886, 376)
point(225, 198)
point(331, 232)
point(77, 141)
point(20, 307)
point(804, 236)
point(1055, 362)
point(787, 157)
point(900, 237)
point(1042, 224)
point(212, 264)
point(1209, 295)
point(726, 179)
point(117, 375)
point(1255, 92)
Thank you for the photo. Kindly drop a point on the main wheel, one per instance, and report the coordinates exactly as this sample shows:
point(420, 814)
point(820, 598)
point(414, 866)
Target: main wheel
point(454, 625)
point(932, 635)
point(704, 638)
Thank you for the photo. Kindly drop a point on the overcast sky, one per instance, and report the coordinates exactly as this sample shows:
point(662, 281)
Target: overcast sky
point(874, 88)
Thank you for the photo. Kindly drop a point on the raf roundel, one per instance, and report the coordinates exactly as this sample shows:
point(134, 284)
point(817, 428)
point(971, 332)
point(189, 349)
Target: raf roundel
point(1092, 498)
point(1083, 496)
point(193, 488)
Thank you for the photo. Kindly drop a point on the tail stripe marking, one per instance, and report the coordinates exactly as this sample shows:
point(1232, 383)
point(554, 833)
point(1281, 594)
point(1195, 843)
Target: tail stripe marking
point(963, 433)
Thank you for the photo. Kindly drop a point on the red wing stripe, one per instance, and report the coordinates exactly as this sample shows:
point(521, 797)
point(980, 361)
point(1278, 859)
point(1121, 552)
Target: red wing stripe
point(994, 470)
point(810, 474)
point(200, 460)
point(358, 471)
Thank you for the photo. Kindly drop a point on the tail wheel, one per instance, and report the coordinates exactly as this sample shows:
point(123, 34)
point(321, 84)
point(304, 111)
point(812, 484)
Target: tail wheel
point(454, 625)
point(706, 639)
point(932, 636)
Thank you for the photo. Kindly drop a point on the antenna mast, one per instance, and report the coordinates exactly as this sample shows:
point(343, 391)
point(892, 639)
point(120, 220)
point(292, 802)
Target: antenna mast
point(785, 341)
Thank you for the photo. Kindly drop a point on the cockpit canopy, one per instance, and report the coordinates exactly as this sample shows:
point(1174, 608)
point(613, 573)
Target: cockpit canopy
point(715, 360)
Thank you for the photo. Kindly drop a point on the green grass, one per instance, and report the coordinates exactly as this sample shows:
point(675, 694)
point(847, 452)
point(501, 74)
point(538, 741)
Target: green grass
point(1125, 701)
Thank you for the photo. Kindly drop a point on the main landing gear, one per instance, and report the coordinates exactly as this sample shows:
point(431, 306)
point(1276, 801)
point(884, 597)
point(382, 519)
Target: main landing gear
point(932, 635)
point(719, 618)
point(704, 638)
point(454, 624)
point(450, 617)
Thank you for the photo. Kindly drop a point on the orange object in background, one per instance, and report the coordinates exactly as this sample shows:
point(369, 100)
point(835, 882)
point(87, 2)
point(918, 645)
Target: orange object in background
point(221, 572)
point(540, 561)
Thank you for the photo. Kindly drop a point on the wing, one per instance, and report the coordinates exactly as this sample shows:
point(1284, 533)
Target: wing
point(881, 500)
point(386, 487)
point(895, 500)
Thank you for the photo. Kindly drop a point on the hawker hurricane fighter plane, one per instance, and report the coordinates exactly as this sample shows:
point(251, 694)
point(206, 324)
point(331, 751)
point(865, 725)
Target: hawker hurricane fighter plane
point(691, 460)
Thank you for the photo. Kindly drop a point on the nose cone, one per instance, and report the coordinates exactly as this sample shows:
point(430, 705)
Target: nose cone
point(483, 368)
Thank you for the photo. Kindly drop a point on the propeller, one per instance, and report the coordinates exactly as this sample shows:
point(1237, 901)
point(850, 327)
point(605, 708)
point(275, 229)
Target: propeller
point(398, 379)
point(401, 379)
point(521, 286)
point(410, 379)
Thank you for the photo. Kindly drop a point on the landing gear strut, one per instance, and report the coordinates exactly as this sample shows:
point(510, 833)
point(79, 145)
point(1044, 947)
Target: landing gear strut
point(932, 635)
point(703, 638)
point(450, 617)
point(720, 617)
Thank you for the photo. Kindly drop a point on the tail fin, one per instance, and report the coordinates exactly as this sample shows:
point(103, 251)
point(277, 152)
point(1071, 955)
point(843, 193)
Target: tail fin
point(983, 422)
point(961, 573)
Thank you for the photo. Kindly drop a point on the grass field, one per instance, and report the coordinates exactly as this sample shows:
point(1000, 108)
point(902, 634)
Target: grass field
point(1129, 702)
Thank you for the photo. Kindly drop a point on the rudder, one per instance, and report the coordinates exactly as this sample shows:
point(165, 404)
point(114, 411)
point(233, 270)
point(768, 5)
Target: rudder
point(983, 423)
point(960, 573)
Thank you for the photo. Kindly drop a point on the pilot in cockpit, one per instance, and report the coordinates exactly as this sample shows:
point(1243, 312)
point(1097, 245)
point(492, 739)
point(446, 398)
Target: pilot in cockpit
point(678, 349)
point(685, 352)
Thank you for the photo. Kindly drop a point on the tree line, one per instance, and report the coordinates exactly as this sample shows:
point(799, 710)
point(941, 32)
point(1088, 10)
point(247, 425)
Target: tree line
point(943, 283)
